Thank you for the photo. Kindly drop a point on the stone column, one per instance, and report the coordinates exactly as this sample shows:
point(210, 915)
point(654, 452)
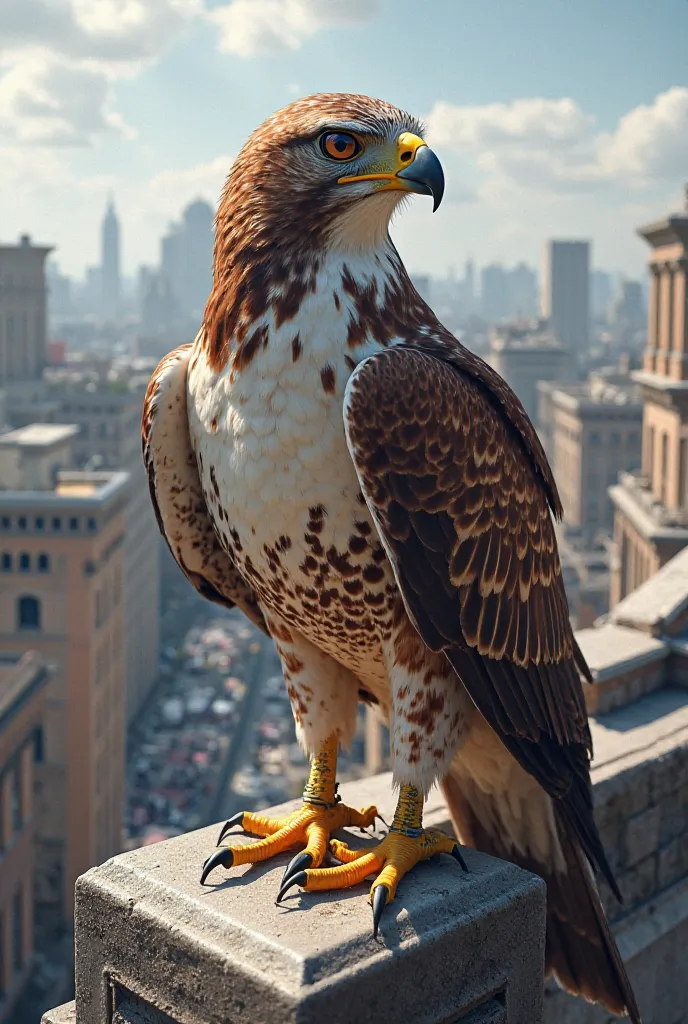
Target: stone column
point(153, 945)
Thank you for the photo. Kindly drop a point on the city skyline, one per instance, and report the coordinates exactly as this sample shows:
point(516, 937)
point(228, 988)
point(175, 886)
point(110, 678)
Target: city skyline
point(546, 127)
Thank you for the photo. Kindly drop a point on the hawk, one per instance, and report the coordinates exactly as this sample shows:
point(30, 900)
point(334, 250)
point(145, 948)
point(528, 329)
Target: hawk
point(330, 459)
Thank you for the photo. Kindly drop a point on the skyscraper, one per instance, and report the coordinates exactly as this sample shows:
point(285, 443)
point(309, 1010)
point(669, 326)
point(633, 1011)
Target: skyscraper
point(494, 291)
point(198, 253)
point(565, 297)
point(109, 263)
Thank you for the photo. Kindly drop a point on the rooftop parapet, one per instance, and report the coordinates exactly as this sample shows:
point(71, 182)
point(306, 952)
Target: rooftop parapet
point(152, 945)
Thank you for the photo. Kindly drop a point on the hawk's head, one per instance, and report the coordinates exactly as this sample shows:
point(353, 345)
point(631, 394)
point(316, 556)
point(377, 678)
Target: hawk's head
point(329, 168)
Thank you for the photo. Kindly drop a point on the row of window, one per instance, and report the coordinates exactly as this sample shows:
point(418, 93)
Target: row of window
point(40, 523)
point(24, 562)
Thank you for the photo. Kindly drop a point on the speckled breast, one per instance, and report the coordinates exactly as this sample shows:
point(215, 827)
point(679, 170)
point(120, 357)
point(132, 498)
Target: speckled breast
point(284, 496)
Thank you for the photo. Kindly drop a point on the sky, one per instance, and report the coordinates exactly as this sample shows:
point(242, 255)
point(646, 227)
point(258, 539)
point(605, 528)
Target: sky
point(551, 118)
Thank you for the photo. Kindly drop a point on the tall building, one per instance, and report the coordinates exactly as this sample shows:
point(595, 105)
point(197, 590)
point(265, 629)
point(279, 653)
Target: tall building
point(596, 430)
point(110, 435)
point(62, 565)
point(22, 311)
point(600, 293)
point(23, 679)
point(494, 293)
point(469, 285)
point(110, 264)
point(198, 256)
point(651, 508)
point(565, 295)
point(186, 258)
point(627, 318)
point(524, 352)
point(523, 291)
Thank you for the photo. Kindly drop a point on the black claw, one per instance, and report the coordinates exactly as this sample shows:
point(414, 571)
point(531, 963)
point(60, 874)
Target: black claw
point(236, 819)
point(224, 858)
point(380, 894)
point(382, 820)
point(456, 854)
point(300, 862)
point(300, 878)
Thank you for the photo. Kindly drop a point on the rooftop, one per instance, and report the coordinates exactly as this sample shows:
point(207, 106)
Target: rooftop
point(85, 489)
point(634, 496)
point(39, 435)
point(655, 604)
point(610, 649)
point(598, 394)
point(524, 334)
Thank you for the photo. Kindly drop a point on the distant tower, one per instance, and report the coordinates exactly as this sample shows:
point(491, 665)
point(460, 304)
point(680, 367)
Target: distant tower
point(565, 299)
point(109, 264)
point(198, 255)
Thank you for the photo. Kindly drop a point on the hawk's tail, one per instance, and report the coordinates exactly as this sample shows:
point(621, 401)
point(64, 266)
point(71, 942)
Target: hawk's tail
point(580, 949)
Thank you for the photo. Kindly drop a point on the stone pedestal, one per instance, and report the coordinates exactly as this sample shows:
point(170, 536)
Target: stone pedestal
point(153, 946)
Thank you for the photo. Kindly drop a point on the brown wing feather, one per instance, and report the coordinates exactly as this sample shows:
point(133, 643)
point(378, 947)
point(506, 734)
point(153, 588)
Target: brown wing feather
point(177, 495)
point(463, 509)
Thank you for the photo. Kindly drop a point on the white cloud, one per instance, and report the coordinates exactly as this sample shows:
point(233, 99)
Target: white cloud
point(111, 31)
point(531, 144)
point(47, 100)
point(250, 27)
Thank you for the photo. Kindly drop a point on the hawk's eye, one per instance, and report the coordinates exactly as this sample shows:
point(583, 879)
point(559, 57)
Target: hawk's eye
point(340, 145)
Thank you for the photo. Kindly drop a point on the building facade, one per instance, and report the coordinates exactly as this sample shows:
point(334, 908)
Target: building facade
point(524, 352)
point(596, 434)
point(23, 350)
point(108, 418)
point(651, 507)
point(23, 679)
point(565, 295)
point(62, 562)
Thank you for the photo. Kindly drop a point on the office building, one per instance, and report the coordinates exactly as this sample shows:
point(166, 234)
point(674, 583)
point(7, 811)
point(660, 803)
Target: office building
point(22, 311)
point(524, 352)
point(62, 562)
point(565, 295)
point(596, 429)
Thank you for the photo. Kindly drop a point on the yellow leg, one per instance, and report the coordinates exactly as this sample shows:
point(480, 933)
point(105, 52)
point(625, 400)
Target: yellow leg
point(310, 826)
point(406, 843)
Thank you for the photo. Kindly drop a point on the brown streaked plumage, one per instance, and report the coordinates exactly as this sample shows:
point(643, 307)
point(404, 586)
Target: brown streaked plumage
point(384, 509)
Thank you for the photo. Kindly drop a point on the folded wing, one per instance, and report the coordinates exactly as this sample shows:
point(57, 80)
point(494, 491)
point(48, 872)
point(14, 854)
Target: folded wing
point(177, 495)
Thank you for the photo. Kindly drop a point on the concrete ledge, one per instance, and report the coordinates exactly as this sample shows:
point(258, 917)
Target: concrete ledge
point(65, 1014)
point(153, 946)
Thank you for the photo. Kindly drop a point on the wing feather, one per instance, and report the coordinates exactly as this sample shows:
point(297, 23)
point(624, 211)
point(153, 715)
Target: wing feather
point(464, 507)
point(177, 495)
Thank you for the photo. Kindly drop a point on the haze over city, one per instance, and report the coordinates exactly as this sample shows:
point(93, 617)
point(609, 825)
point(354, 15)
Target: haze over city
point(251, 613)
point(552, 120)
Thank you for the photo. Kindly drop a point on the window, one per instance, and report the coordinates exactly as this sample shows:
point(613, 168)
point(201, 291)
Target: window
point(29, 613)
point(594, 437)
point(5, 522)
point(44, 563)
point(74, 523)
point(17, 931)
point(6, 562)
point(21, 522)
point(57, 523)
point(24, 562)
point(91, 524)
point(38, 746)
point(40, 523)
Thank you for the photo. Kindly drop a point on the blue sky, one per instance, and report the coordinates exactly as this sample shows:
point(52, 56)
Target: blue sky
point(551, 118)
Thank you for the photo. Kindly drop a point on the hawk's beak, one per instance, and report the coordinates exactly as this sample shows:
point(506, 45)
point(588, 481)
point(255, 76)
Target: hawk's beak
point(417, 169)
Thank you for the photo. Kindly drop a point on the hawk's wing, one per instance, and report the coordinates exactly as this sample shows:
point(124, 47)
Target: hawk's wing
point(177, 495)
point(460, 495)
